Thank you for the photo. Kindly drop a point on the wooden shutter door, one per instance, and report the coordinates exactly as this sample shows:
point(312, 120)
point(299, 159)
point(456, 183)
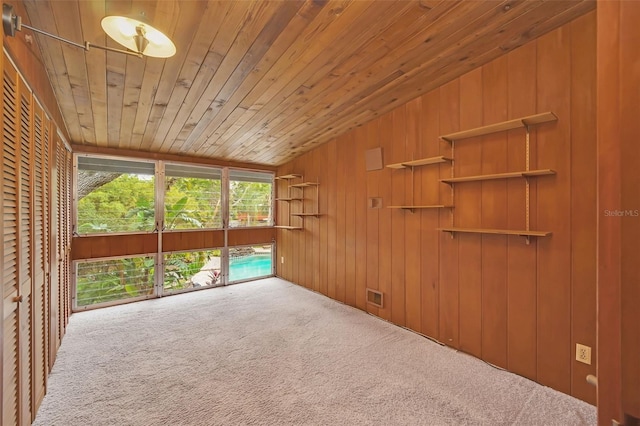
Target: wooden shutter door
point(10, 175)
point(54, 255)
point(63, 181)
point(25, 250)
point(68, 167)
point(39, 296)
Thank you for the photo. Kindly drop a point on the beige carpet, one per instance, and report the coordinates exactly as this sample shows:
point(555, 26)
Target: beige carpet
point(272, 353)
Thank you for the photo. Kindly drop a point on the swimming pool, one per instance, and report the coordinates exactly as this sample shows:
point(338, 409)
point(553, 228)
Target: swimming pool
point(244, 268)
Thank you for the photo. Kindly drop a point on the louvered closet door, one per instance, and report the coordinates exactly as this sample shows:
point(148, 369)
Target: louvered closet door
point(67, 234)
point(54, 255)
point(26, 254)
point(39, 296)
point(63, 164)
point(10, 283)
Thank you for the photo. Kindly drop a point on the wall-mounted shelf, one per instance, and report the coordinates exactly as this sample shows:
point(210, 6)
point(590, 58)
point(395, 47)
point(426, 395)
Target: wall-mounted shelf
point(304, 184)
point(298, 195)
point(523, 122)
point(530, 120)
point(412, 208)
point(522, 233)
point(420, 162)
point(288, 177)
point(509, 175)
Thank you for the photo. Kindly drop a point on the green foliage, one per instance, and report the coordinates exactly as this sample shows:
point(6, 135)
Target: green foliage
point(126, 204)
point(249, 203)
point(179, 268)
point(192, 203)
point(117, 279)
point(111, 207)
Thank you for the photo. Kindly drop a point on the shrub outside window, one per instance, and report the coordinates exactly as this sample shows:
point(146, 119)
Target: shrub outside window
point(102, 281)
point(250, 198)
point(115, 196)
point(192, 197)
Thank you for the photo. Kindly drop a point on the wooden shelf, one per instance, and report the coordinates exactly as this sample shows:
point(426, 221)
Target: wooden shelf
point(421, 162)
point(530, 120)
point(435, 206)
point(287, 177)
point(522, 233)
point(522, 174)
point(304, 184)
point(299, 196)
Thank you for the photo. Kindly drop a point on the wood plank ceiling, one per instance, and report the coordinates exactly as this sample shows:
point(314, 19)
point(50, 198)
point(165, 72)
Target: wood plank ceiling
point(264, 81)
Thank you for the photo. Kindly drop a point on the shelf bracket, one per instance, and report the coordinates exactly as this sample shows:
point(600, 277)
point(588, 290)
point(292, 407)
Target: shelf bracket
point(527, 195)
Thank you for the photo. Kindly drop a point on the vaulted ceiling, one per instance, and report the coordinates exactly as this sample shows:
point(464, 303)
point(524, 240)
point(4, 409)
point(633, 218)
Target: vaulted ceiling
point(264, 81)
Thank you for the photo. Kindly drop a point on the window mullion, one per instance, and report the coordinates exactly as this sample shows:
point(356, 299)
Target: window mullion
point(159, 213)
point(225, 225)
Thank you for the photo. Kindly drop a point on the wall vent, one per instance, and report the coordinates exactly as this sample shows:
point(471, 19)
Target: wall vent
point(374, 297)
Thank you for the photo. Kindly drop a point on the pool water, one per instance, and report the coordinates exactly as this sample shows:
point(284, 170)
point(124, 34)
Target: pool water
point(245, 268)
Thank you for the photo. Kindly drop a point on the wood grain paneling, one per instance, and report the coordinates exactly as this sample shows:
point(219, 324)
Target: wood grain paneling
point(618, 262)
point(449, 319)
point(331, 219)
point(468, 206)
point(494, 215)
point(372, 234)
point(289, 75)
point(385, 255)
point(110, 245)
point(349, 156)
point(412, 247)
point(360, 261)
point(429, 236)
point(522, 259)
point(583, 197)
point(242, 237)
point(553, 150)
point(399, 196)
point(510, 303)
point(630, 182)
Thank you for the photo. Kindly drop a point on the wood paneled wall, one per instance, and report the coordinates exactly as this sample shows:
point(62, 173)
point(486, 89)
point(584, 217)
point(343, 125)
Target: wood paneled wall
point(35, 174)
point(521, 307)
point(618, 212)
point(92, 247)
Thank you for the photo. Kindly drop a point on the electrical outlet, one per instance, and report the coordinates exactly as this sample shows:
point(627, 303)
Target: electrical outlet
point(282, 259)
point(583, 353)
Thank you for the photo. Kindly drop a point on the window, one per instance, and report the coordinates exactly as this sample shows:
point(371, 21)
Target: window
point(250, 195)
point(101, 281)
point(192, 197)
point(189, 206)
point(115, 196)
point(192, 269)
point(250, 262)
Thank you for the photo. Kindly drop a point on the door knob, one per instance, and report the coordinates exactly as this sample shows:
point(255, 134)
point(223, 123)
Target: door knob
point(18, 299)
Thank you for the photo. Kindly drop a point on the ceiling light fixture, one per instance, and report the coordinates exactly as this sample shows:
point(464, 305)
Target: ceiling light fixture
point(140, 38)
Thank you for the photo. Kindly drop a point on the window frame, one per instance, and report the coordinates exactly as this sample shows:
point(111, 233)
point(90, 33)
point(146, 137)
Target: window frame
point(161, 196)
point(159, 208)
point(74, 200)
point(272, 221)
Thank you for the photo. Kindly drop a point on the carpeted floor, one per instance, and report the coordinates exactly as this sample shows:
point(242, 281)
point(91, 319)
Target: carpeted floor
point(272, 353)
